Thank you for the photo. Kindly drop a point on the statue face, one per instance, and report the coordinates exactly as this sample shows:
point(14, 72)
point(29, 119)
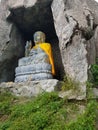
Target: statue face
point(39, 37)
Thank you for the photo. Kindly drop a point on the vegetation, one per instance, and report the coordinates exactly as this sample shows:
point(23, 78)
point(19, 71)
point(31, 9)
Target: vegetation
point(45, 112)
point(69, 83)
point(94, 76)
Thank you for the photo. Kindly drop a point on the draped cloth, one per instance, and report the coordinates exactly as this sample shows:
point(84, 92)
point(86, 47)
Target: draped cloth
point(48, 50)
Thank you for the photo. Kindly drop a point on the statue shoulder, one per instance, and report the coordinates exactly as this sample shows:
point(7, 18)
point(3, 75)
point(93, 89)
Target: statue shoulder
point(43, 45)
point(46, 44)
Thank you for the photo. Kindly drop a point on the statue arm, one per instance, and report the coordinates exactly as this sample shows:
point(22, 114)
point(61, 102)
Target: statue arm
point(28, 48)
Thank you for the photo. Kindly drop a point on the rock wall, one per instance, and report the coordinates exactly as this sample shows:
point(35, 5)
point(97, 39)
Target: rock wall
point(10, 45)
point(76, 24)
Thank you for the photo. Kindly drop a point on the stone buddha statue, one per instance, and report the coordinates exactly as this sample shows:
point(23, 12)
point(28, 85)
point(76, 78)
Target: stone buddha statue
point(38, 64)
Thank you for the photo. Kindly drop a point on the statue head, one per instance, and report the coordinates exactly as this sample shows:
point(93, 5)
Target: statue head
point(39, 37)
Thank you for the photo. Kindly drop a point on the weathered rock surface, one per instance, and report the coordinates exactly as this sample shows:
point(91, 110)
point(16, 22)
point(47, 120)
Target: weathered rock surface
point(10, 44)
point(33, 88)
point(95, 93)
point(30, 88)
point(75, 25)
point(73, 94)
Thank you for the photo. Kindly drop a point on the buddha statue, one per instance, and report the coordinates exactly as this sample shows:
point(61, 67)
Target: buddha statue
point(38, 64)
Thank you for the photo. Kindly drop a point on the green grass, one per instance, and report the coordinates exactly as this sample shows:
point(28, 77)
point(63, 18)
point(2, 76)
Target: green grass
point(45, 112)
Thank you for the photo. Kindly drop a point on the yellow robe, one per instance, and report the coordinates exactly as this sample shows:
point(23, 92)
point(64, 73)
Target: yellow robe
point(47, 48)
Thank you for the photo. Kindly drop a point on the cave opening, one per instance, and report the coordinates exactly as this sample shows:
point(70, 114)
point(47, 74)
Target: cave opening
point(38, 18)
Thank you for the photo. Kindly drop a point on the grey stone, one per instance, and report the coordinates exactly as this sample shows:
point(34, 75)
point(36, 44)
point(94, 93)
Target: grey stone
point(10, 44)
point(25, 61)
point(35, 76)
point(33, 68)
point(96, 41)
point(71, 24)
point(74, 94)
point(72, 21)
point(31, 88)
point(95, 92)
